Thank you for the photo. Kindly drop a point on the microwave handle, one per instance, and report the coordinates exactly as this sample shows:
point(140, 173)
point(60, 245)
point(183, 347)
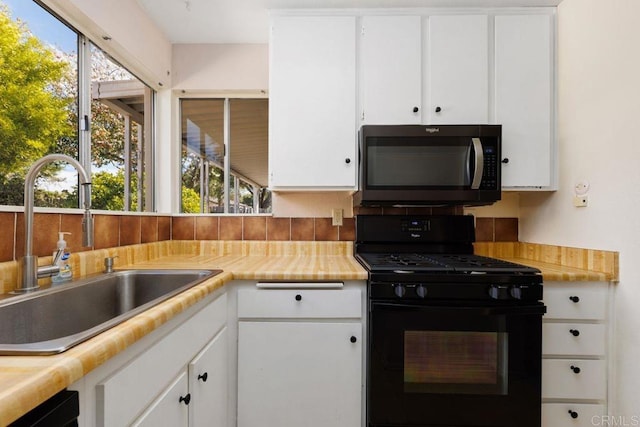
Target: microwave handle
point(479, 163)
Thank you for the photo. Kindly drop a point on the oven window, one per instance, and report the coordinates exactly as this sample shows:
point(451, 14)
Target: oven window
point(468, 362)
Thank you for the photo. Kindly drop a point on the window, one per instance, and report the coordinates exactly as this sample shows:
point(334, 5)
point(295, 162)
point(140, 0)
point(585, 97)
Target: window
point(46, 111)
point(224, 156)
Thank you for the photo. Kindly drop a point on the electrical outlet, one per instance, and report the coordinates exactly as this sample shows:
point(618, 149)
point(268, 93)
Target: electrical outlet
point(336, 216)
point(580, 201)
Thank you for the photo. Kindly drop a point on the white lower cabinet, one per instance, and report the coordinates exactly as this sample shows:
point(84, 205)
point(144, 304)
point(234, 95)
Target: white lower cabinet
point(164, 410)
point(575, 354)
point(198, 393)
point(300, 357)
point(175, 376)
point(572, 414)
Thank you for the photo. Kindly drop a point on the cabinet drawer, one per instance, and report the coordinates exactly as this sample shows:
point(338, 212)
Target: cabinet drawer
point(559, 381)
point(573, 339)
point(562, 415)
point(299, 303)
point(572, 301)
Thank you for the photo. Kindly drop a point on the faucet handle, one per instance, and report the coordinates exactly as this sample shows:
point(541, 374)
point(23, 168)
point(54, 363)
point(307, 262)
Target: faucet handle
point(108, 263)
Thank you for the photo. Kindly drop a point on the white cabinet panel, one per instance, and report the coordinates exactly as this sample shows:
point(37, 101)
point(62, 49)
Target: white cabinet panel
point(312, 102)
point(524, 97)
point(129, 391)
point(300, 303)
point(391, 56)
point(168, 409)
point(299, 374)
point(572, 415)
point(208, 378)
point(560, 380)
point(576, 301)
point(458, 69)
point(573, 339)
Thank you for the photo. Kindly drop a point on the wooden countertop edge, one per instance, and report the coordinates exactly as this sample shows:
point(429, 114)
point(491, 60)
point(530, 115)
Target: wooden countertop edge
point(50, 374)
point(555, 272)
point(47, 375)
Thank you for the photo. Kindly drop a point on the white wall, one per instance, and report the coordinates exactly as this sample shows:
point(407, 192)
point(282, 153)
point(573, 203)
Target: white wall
point(221, 67)
point(135, 40)
point(599, 141)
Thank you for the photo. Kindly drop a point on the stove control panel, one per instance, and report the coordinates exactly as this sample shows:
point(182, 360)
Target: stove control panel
point(425, 291)
point(415, 290)
point(519, 292)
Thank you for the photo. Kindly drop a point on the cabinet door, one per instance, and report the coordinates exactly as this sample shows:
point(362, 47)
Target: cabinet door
point(299, 374)
point(524, 97)
point(208, 384)
point(458, 69)
point(171, 408)
point(312, 102)
point(391, 70)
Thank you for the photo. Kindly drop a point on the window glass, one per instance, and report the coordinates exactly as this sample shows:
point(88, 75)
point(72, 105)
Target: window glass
point(120, 140)
point(39, 115)
point(39, 108)
point(209, 187)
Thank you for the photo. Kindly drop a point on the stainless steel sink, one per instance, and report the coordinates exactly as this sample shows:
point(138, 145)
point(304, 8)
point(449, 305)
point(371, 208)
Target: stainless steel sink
point(55, 319)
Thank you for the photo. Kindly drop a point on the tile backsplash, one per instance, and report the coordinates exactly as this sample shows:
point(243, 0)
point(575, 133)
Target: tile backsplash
point(122, 230)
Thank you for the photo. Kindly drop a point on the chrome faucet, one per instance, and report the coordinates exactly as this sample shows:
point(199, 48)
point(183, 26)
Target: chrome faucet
point(30, 270)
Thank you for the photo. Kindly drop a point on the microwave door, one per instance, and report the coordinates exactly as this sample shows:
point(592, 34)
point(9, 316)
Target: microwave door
point(478, 163)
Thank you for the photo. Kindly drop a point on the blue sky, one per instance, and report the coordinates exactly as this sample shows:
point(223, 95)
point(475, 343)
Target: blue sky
point(42, 24)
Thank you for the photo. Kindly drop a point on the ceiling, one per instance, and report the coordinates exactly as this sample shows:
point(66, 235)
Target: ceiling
point(246, 21)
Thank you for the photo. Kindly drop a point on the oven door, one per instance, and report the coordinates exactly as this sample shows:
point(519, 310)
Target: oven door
point(453, 365)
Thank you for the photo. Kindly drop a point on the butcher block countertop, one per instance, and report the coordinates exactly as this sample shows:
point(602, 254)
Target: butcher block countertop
point(27, 381)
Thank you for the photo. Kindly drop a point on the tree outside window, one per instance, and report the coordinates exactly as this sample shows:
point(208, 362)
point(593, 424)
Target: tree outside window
point(39, 115)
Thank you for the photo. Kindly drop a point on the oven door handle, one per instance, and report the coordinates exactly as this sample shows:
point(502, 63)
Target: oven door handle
point(512, 310)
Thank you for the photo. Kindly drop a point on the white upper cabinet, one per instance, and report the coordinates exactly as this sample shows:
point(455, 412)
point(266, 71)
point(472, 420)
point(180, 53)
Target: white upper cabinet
point(457, 69)
point(312, 102)
point(524, 101)
point(425, 67)
point(391, 55)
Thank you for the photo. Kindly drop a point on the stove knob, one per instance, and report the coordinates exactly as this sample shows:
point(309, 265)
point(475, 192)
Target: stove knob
point(399, 290)
point(498, 292)
point(421, 291)
point(516, 292)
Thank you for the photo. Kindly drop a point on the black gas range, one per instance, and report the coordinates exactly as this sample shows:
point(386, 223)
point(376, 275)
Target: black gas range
point(431, 257)
point(454, 339)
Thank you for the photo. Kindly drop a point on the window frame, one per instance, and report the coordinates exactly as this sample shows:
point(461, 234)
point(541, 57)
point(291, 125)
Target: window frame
point(84, 98)
point(227, 96)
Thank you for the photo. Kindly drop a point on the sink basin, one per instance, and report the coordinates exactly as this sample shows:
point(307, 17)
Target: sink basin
point(53, 320)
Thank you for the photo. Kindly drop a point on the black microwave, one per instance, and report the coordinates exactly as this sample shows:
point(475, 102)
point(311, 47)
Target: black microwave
point(417, 165)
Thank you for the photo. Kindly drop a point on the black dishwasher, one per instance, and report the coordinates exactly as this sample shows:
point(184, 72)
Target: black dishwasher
point(61, 410)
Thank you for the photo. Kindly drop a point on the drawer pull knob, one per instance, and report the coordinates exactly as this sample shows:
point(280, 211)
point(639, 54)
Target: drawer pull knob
point(203, 377)
point(575, 369)
point(574, 298)
point(573, 414)
point(574, 332)
point(353, 339)
point(186, 399)
point(298, 297)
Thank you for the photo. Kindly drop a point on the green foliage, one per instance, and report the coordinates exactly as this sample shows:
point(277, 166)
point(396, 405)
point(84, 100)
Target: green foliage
point(32, 117)
point(107, 191)
point(190, 200)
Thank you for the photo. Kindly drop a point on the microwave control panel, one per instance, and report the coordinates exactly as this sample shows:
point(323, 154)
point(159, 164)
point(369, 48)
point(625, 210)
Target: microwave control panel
point(490, 171)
